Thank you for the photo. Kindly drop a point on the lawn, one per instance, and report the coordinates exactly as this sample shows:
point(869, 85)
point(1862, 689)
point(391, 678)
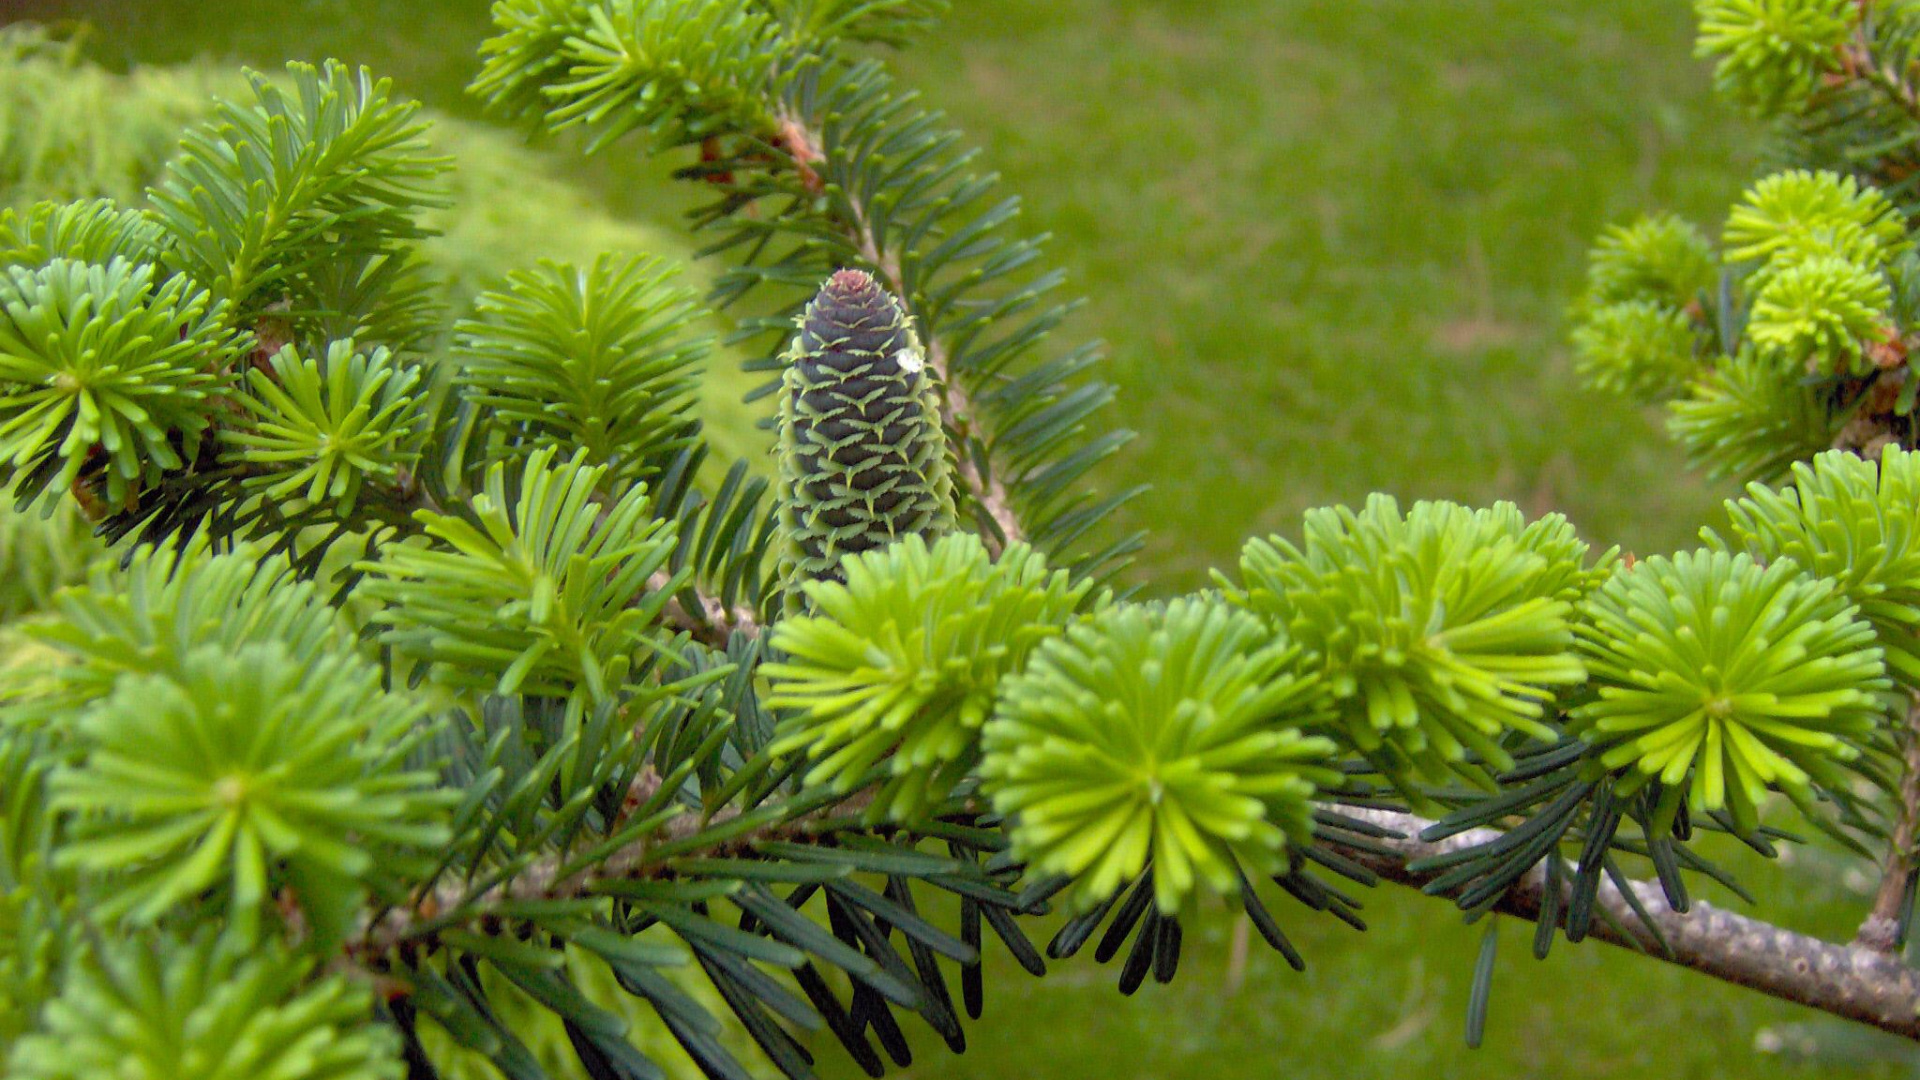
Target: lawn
point(1329, 243)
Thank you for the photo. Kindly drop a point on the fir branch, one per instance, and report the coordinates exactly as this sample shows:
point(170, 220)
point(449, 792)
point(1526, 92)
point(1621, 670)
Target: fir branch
point(1885, 928)
point(1850, 981)
point(452, 902)
point(1855, 982)
point(833, 166)
point(268, 193)
point(885, 22)
point(707, 620)
point(1860, 60)
point(616, 770)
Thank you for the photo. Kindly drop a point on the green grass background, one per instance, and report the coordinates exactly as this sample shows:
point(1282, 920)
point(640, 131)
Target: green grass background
point(1329, 243)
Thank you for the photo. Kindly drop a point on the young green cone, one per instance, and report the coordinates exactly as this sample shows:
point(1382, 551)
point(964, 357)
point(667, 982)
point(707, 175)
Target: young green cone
point(863, 460)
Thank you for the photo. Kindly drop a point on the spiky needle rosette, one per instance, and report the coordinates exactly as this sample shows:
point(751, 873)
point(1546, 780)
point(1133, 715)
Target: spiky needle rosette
point(1782, 213)
point(318, 428)
point(96, 232)
point(900, 663)
point(1636, 348)
point(1751, 416)
point(1660, 259)
point(541, 589)
point(1439, 631)
point(1855, 522)
point(1723, 678)
point(243, 771)
point(1819, 312)
point(863, 458)
point(206, 1010)
point(1772, 53)
point(1165, 733)
point(106, 364)
point(146, 616)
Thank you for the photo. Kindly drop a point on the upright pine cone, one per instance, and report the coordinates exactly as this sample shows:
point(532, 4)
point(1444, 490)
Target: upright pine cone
point(863, 459)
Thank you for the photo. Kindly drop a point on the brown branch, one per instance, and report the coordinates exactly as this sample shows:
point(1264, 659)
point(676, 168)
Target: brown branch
point(712, 624)
point(988, 492)
point(1881, 930)
point(1858, 62)
point(802, 145)
point(1848, 981)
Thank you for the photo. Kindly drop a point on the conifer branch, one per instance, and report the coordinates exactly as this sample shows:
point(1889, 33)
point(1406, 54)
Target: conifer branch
point(1883, 929)
point(1850, 981)
point(1859, 60)
point(552, 877)
point(1857, 982)
point(254, 358)
point(712, 623)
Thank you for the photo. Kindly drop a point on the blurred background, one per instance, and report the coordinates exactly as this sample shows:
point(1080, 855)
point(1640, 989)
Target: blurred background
point(1329, 243)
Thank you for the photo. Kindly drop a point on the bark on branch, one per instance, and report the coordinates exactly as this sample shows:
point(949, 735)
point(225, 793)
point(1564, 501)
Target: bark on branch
point(1881, 930)
point(1849, 981)
point(712, 624)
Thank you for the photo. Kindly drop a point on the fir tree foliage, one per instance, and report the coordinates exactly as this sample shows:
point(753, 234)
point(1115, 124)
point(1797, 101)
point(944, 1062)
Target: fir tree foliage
point(240, 768)
point(1165, 734)
point(287, 218)
point(902, 662)
point(1808, 312)
point(145, 615)
point(95, 232)
point(1812, 322)
point(1752, 415)
point(1660, 258)
point(1438, 630)
point(1771, 53)
point(673, 70)
point(1846, 519)
point(461, 707)
point(888, 22)
point(837, 167)
point(1822, 243)
point(1638, 332)
point(106, 363)
point(1816, 313)
point(1637, 348)
point(295, 196)
point(1722, 678)
point(1790, 208)
point(595, 358)
point(206, 1009)
point(331, 425)
point(543, 591)
point(39, 554)
point(34, 933)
